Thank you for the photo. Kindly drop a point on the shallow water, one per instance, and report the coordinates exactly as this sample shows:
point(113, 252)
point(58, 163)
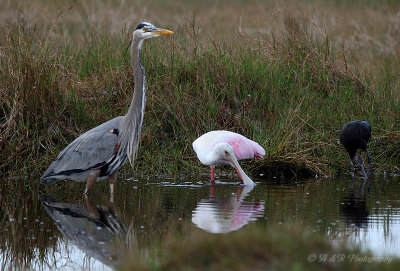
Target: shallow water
point(49, 227)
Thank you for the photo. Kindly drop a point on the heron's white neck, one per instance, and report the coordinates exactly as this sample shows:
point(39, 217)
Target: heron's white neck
point(130, 127)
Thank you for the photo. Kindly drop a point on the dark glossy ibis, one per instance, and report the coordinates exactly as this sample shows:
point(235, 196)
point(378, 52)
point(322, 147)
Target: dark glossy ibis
point(354, 137)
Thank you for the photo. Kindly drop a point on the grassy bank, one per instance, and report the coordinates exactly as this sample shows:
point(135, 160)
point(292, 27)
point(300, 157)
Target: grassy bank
point(289, 85)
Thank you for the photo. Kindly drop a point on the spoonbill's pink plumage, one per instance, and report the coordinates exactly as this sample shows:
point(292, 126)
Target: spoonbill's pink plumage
point(224, 147)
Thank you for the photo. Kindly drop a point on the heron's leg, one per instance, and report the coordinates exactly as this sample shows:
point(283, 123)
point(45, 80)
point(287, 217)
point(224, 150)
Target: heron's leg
point(94, 213)
point(111, 179)
point(93, 175)
point(212, 174)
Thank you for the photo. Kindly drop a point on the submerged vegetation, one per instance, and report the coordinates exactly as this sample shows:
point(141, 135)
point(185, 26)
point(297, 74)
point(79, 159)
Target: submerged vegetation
point(289, 85)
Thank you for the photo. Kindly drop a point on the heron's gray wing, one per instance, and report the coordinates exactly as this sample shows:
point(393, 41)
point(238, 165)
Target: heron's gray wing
point(90, 150)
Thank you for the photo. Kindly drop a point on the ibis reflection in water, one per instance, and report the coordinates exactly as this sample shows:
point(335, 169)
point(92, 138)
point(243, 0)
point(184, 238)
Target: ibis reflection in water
point(354, 207)
point(220, 215)
point(95, 230)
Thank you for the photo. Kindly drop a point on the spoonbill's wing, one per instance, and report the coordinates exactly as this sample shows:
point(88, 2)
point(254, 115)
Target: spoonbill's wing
point(243, 147)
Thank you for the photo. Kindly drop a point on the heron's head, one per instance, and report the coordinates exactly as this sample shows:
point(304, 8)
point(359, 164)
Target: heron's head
point(147, 30)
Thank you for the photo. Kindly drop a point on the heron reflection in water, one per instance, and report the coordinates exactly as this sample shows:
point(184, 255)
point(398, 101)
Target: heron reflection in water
point(95, 230)
point(220, 215)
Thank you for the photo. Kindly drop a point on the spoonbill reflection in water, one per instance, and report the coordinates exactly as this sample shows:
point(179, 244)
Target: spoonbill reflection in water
point(218, 215)
point(224, 147)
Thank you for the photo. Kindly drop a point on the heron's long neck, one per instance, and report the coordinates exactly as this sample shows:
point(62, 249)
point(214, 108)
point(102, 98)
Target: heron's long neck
point(130, 126)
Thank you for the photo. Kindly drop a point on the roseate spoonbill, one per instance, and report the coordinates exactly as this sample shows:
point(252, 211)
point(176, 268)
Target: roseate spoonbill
point(354, 137)
point(102, 151)
point(224, 147)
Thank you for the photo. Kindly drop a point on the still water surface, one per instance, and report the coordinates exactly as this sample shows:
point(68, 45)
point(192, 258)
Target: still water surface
point(56, 227)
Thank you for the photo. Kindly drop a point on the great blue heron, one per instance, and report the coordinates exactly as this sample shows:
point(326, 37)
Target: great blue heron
point(224, 147)
point(102, 151)
point(354, 137)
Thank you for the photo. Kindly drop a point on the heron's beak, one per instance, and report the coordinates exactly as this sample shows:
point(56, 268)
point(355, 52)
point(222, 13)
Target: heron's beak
point(162, 32)
point(246, 180)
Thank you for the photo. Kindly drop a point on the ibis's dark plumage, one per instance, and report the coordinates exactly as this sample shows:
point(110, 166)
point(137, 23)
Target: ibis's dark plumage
point(354, 137)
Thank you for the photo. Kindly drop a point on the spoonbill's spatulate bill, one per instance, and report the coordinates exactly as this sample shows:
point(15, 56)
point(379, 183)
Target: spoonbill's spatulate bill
point(224, 147)
point(354, 137)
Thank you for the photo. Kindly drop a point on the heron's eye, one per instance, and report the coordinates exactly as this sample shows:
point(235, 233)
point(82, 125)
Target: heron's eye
point(144, 29)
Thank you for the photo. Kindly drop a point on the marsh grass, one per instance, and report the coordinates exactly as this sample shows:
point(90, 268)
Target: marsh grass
point(291, 89)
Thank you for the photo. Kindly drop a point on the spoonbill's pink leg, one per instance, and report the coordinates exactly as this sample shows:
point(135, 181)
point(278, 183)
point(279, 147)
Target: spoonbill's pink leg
point(238, 191)
point(212, 190)
point(238, 173)
point(212, 174)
